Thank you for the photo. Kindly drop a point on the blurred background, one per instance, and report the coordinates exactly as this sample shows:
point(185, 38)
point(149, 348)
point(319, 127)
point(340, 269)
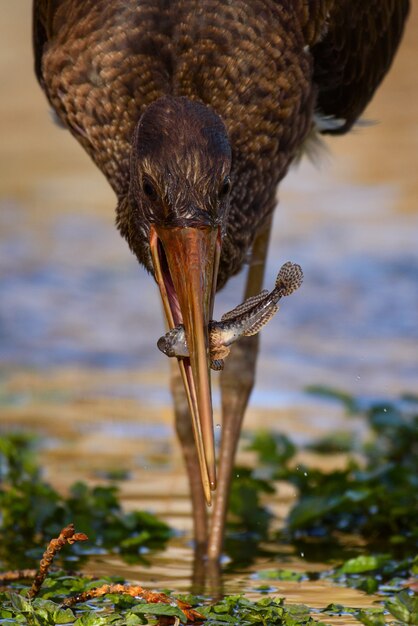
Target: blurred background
point(79, 319)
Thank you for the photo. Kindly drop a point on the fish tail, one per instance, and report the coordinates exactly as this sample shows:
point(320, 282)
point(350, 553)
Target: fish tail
point(289, 278)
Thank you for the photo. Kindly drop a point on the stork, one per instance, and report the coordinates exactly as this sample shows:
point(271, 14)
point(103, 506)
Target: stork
point(194, 110)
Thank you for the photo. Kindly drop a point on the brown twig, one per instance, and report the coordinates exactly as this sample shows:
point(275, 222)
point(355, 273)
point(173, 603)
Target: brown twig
point(67, 535)
point(17, 574)
point(412, 583)
point(135, 591)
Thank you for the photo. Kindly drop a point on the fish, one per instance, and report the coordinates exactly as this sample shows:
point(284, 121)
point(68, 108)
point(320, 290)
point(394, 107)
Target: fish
point(246, 319)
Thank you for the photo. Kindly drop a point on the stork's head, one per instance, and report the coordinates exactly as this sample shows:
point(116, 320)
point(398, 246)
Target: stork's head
point(180, 166)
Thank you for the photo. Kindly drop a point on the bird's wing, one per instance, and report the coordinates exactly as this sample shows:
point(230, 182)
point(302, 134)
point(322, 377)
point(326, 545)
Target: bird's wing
point(42, 14)
point(100, 63)
point(351, 59)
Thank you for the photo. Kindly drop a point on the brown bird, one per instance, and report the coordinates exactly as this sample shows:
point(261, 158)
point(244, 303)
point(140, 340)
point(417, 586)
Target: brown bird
point(194, 110)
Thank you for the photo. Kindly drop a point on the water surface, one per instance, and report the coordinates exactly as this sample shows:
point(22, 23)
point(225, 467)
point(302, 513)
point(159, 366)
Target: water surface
point(79, 319)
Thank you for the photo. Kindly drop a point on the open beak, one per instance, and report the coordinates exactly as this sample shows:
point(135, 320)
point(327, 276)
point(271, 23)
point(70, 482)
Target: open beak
point(186, 264)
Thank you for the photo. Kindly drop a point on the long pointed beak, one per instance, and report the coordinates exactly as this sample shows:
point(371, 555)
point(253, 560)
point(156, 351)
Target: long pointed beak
point(186, 264)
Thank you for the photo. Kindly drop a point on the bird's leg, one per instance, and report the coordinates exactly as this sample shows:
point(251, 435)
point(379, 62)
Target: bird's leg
point(237, 382)
point(236, 385)
point(185, 434)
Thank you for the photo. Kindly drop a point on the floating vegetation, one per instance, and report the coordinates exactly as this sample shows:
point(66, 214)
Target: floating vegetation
point(84, 601)
point(125, 604)
point(31, 511)
point(403, 607)
point(126, 610)
point(368, 573)
point(265, 612)
point(27, 608)
point(375, 497)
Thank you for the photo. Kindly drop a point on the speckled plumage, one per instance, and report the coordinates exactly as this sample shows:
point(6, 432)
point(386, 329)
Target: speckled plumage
point(264, 66)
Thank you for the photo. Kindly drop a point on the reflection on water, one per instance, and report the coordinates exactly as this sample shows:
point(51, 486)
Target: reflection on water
point(79, 321)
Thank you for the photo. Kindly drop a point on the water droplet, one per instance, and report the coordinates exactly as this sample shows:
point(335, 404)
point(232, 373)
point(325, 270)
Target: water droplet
point(224, 560)
point(305, 473)
point(385, 410)
point(302, 554)
point(237, 475)
point(358, 377)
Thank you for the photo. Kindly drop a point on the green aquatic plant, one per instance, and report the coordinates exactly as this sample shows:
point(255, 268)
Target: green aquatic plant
point(366, 572)
point(375, 573)
point(375, 498)
point(403, 607)
point(31, 510)
point(15, 608)
point(350, 402)
point(246, 512)
point(264, 612)
point(120, 610)
point(114, 609)
point(29, 607)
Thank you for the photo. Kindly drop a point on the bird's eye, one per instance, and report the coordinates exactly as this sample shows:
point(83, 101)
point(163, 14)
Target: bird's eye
point(225, 187)
point(149, 189)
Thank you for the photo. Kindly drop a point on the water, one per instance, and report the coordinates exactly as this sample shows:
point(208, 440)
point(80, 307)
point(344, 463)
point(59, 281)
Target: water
point(79, 319)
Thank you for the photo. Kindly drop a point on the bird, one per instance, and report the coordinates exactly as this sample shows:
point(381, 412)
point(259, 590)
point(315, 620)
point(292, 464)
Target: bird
point(194, 111)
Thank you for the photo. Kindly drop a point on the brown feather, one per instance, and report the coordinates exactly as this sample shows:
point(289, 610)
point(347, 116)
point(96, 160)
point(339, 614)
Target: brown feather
point(355, 54)
point(264, 66)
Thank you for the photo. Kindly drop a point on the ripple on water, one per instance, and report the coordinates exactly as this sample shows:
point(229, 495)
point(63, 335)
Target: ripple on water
point(74, 302)
point(72, 298)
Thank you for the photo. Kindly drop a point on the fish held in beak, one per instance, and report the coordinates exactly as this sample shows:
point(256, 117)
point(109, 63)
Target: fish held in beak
point(186, 261)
